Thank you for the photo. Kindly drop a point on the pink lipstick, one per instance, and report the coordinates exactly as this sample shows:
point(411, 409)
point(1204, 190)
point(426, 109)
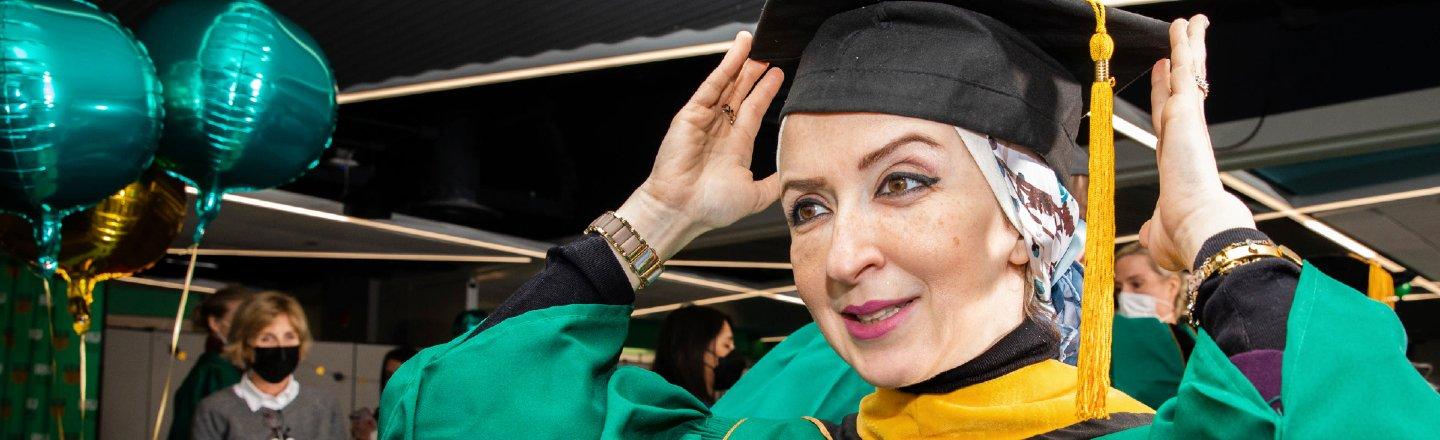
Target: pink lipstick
point(874, 319)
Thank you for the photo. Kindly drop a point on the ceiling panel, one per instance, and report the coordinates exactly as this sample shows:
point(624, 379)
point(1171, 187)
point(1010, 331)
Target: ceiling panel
point(1407, 231)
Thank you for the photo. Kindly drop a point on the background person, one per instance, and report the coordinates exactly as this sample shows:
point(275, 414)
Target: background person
point(1149, 348)
point(268, 338)
point(692, 342)
point(211, 371)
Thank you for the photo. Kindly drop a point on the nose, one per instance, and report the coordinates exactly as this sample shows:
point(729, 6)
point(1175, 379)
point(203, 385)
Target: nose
point(853, 249)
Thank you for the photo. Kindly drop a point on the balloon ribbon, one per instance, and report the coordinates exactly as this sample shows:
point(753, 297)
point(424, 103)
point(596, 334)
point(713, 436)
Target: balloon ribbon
point(175, 342)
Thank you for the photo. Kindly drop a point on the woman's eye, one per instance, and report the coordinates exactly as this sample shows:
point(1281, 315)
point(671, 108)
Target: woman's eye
point(806, 210)
point(900, 183)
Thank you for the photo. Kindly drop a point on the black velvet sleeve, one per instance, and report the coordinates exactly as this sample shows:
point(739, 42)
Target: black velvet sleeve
point(1246, 309)
point(582, 272)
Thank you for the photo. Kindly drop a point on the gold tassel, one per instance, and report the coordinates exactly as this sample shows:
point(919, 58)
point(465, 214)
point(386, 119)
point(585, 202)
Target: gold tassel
point(1382, 285)
point(1097, 305)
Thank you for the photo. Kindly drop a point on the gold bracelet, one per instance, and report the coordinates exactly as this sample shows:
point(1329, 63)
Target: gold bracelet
point(642, 259)
point(1225, 261)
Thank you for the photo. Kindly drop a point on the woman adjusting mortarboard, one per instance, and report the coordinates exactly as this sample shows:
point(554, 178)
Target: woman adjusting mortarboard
point(937, 249)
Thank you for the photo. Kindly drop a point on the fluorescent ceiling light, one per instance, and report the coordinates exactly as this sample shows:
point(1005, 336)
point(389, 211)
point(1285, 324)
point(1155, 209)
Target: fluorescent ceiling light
point(377, 225)
point(786, 298)
point(1124, 3)
point(771, 293)
point(730, 264)
point(166, 284)
point(535, 72)
point(1284, 208)
point(1133, 131)
point(671, 276)
point(1427, 284)
point(1341, 239)
point(351, 255)
point(1331, 206)
point(1354, 203)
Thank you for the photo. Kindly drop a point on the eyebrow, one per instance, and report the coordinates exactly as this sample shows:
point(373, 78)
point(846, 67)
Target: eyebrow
point(890, 147)
point(805, 185)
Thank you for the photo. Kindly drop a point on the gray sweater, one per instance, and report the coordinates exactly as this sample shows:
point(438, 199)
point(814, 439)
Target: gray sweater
point(313, 415)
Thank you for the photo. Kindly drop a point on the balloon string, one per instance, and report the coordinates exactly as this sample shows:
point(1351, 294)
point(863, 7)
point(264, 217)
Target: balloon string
point(54, 367)
point(184, 295)
point(83, 372)
point(175, 342)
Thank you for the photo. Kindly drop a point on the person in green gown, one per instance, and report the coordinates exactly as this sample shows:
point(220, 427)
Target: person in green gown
point(1149, 346)
point(211, 372)
point(693, 342)
point(934, 248)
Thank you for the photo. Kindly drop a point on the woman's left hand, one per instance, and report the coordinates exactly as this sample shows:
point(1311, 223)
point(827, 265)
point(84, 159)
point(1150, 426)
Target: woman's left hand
point(1193, 204)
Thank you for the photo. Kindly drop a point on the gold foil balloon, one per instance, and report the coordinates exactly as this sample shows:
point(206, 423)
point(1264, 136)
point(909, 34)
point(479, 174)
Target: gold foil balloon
point(123, 234)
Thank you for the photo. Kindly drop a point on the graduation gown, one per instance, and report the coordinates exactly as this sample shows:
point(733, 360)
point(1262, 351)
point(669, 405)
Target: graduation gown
point(544, 366)
point(1148, 358)
point(802, 376)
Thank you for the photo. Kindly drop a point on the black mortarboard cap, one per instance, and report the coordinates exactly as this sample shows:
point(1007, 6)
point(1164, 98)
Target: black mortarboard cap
point(1012, 69)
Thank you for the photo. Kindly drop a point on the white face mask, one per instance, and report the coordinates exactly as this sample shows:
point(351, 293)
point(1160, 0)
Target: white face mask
point(1136, 305)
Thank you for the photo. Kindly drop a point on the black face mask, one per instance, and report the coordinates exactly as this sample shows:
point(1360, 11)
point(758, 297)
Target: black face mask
point(729, 369)
point(274, 363)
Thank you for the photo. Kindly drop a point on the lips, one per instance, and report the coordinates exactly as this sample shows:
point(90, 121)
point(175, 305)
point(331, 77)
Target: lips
point(874, 319)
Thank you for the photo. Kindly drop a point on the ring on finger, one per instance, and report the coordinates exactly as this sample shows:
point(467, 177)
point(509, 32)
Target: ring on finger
point(1203, 85)
point(729, 113)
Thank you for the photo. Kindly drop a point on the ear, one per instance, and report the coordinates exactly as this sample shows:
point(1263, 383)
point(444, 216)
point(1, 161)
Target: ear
point(1020, 253)
point(214, 324)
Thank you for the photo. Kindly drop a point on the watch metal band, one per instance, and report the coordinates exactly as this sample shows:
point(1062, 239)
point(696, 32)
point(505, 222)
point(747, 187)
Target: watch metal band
point(1225, 261)
point(642, 258)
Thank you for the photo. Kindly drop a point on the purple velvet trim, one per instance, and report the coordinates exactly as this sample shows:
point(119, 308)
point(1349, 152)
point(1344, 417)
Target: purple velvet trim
point(1262, 367)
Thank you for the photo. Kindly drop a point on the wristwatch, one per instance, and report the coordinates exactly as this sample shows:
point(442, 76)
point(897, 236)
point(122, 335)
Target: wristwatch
point(642, 258)
point(1230, 257)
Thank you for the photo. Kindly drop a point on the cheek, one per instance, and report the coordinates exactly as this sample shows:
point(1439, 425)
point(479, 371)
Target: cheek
point(954, 245)
point(807, 255)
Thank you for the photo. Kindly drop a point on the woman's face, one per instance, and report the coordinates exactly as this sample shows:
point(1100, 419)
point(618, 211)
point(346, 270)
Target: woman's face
point(721, 346)
point(220, 326)
point(901, 252)
point(280, 333)
point(1136, 273)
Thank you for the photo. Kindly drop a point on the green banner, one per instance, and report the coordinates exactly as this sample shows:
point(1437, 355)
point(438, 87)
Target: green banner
point(41, 360)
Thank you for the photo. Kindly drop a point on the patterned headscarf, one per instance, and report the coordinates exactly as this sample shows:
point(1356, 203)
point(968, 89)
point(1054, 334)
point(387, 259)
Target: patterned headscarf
point(1037, 204)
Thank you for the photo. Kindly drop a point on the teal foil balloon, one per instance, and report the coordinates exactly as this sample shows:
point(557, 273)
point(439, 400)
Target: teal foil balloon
point(249, 97)
point(81, 113)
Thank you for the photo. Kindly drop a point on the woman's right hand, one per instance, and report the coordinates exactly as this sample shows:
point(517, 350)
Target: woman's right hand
point(701, 179)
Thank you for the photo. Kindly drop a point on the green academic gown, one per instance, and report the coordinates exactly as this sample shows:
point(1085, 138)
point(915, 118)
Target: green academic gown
point(1146, 359)
point(803, 376)
point(551, 373)
point(211, 373)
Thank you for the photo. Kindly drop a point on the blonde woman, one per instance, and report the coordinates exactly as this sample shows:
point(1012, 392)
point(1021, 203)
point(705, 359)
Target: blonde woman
point(1149, 346)
point(1143, 288)
point(268, 338)
point(212, 372)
